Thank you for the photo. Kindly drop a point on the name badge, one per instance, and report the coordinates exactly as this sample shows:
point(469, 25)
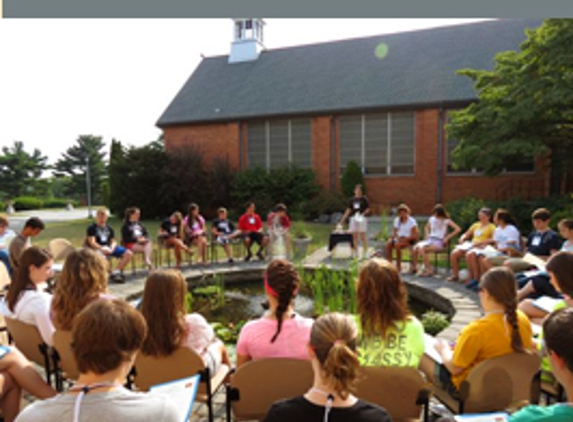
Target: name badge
point(357, 205)
point(137, 232)
point(103, 238)
point(251, 220)
point(173, 229)
point(536, 241)
point(478, 233)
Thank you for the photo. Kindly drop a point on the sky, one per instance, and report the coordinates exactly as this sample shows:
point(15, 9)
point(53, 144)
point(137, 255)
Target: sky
point(61, 78)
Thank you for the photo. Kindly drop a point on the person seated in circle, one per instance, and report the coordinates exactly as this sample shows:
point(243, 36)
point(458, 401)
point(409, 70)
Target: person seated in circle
point(404, 235)
point(506, 242)
point(17, 373)
point(389, 334)
point(280, 332)
point(106, 338)
point(333, 354)
point(559, 350)
point(83, 280)
point(503, 330)
point(560, 271)
point(436, 238)
point(224, 231)
point(32, 228)
point(251, 228)
point(541, 242)
point(476, 237)
point(6, 236)
point(171, 327)
point(27, 300)
point(196, 231)
point(135, 236)
point(278, 228)
point(171, 233)
point(101, 237)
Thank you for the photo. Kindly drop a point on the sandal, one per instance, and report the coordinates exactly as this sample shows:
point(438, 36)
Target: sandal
point(452, 278)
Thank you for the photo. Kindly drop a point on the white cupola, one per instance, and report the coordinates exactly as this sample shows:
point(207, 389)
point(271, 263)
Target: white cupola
point(247, 40)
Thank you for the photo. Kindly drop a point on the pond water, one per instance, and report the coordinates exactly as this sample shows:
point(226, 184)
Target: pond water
point(243, 301)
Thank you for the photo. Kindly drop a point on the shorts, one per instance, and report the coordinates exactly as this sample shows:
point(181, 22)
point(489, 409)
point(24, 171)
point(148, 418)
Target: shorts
point(118, 252)
point(357, 225)
point(432, 241)
point(256, 237)
point(497, 261)
point(518, 265)
point(130, 245)
point(221, 240)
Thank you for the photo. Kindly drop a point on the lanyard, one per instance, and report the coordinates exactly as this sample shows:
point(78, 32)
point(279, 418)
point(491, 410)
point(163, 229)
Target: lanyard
point(83, 390)
point(329, 401)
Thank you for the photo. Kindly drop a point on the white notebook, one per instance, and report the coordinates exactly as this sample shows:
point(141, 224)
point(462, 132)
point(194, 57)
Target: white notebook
point(182, 392)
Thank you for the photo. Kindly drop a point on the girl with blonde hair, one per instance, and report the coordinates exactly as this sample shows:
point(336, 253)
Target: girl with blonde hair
point(82, 280)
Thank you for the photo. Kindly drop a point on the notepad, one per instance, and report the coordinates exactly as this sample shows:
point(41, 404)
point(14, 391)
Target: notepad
point(483, 417)
point(182, 392)
point(546, 303)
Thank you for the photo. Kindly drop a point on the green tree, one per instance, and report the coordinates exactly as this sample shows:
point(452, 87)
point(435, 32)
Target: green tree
point(524, 107)
point(117, 172)
point(74, 164)
point(20, 170)
point(351, 177)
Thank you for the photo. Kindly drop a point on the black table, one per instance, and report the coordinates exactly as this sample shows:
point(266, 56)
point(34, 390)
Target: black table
point(336, 238)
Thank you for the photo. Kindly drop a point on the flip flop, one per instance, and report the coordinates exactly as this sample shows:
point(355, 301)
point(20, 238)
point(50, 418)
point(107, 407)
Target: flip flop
point(452, 279)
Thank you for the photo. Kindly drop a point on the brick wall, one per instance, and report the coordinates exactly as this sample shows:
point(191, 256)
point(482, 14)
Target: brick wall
point(213, 140)
point(419, 190)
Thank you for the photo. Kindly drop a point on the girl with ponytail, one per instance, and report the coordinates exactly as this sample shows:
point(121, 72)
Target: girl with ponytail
point(280, 332)
point(502, 330)
point(332, 349)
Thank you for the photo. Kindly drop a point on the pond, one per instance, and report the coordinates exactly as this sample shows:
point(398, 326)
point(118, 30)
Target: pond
point(242, 301)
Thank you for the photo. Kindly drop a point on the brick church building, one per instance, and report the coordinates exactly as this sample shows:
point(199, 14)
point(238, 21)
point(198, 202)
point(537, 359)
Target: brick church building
point(381, 101)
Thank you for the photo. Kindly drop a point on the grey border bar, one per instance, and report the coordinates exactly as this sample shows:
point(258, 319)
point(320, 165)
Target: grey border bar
point(286, 8)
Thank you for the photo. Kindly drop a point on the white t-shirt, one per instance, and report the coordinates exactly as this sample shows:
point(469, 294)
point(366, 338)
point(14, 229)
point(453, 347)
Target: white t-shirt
point(505, 236)
point(404, 229)
point(33, 308)
point(438, 227)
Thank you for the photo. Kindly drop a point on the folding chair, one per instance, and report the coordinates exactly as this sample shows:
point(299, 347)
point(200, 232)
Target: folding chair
point(27, 339)
point(255, 386)
point(65, 364)
point(495, 384)
point(150, 370)
point(403, 392)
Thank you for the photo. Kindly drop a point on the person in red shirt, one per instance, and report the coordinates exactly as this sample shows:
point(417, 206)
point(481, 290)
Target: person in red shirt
point(251, 228)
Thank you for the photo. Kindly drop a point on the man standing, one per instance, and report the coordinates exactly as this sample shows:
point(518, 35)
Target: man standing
point(101, 237)
point(251, 228)
point(32, 228)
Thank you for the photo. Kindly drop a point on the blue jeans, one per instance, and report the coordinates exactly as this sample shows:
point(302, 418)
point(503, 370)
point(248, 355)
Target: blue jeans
point(6, 260)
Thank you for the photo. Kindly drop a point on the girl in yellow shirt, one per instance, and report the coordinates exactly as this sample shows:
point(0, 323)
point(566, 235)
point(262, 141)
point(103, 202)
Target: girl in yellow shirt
point(501, 331)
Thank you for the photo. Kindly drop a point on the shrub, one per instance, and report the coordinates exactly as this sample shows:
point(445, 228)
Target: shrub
point(325, 202)
point(464, 211)
point(2, 206)
point(434, 322)
point(58, 203)
point(290, 185)
point(24, 203)
point(351, 177)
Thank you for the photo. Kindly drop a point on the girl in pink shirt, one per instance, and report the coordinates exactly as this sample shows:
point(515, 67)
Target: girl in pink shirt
point(169, 325)
point(280, 332)
point(195, 232)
